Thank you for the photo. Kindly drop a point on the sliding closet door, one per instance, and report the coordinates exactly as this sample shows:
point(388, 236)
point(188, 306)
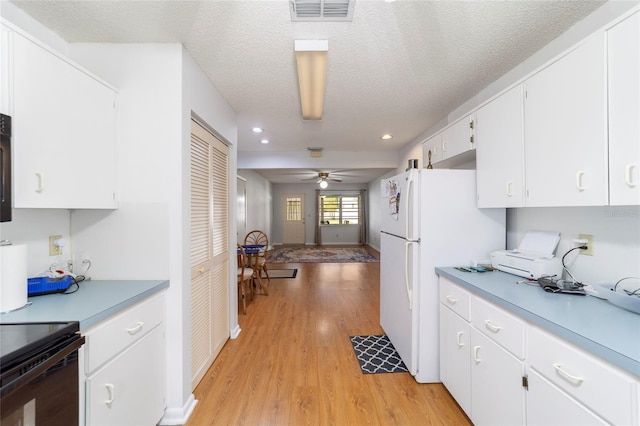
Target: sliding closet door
point(209, 250)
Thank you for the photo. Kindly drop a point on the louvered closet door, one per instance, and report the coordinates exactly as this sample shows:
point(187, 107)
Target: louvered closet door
point(209, 250)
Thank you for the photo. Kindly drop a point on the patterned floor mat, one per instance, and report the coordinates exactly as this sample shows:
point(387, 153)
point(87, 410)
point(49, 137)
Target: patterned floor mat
point(376, 354)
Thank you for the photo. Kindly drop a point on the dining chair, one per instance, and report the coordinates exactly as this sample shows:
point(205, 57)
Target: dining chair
point(259, 260)
point(245, 274)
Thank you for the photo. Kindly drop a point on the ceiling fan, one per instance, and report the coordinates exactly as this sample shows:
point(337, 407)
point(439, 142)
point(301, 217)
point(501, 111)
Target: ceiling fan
point(323, 178)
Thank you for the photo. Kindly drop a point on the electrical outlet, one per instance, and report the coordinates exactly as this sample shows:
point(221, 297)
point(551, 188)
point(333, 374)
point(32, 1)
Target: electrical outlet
point(589, 244)
point(54, 250)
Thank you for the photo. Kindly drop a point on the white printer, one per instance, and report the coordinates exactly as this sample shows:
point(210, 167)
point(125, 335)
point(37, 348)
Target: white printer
point(533, 258)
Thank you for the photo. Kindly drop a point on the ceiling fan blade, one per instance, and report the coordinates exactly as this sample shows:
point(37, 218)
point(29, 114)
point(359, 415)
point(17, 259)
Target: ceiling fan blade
point(335, 179)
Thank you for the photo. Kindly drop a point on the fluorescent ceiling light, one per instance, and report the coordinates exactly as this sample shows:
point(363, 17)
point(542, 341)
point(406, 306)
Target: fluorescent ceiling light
point(311, 57)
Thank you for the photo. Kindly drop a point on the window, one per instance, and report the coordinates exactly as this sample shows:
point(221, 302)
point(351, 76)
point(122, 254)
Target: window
point(339, 209)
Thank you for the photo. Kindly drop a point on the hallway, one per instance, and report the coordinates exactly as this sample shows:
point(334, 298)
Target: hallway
point(293, 363)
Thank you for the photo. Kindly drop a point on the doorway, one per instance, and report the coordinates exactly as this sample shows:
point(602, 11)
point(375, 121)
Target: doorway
point(293, 223)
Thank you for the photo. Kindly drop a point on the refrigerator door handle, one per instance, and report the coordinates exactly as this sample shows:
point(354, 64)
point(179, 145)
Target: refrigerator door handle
point(406, 274)
point(406, 208)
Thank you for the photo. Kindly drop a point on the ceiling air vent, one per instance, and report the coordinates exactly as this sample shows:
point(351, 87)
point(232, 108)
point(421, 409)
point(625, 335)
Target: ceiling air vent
point(321, 10)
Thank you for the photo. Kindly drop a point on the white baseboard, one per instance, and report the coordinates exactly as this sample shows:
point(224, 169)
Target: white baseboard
point(235, 332)
point(179, 416)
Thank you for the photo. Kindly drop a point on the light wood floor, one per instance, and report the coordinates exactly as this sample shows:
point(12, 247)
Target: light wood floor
point(293, 363)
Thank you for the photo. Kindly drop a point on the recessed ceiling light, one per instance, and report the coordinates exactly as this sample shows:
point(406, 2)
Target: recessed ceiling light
point(386, 137)
point(264, 141)
point(257, 130)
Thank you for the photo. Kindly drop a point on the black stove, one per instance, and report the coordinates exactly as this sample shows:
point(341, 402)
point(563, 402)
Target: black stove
point(20, 341)
point(39, 373)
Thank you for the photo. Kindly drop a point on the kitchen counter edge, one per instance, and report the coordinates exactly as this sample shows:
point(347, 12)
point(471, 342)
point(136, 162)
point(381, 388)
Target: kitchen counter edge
point(94, 302)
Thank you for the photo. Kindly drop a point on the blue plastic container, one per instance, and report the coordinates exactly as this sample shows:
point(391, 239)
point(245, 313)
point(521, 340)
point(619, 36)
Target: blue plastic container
point(38, 286)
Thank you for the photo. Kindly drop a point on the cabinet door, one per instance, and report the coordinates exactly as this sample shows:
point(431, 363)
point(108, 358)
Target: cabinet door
point(624, 110)
point(64, 132)
point(130, 389)
point(565, 130)
point(500, 151)
point(458, 138)
point(455, 352)
point(548, 405)
point(497, 395)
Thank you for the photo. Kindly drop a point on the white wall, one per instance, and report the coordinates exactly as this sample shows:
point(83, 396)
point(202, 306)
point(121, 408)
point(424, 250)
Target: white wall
point(259, 203)
point(375, 209)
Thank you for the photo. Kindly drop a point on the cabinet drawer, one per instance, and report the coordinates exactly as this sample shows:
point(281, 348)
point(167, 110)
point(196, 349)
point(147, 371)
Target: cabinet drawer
point(499, 325)
point(108, 339)
point(600, 387)
point(455, 298)
point(130, 390)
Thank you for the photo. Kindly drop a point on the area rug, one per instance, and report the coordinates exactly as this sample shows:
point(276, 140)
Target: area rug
point(376, 354)
point(321, 255)
point(280, 273)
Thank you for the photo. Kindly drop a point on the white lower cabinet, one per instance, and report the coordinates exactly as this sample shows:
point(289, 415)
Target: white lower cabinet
point(483, 376)
point(130, 389)
point(124, 367)
point(497, 395)
point(503, 370)
point(547, 405)
point(455, 353)
point(587, 380)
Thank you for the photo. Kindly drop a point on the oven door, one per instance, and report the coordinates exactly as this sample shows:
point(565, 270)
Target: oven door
point(47, 393)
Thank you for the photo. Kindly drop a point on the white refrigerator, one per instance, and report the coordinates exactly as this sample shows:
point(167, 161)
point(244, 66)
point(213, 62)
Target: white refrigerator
point(428, 219)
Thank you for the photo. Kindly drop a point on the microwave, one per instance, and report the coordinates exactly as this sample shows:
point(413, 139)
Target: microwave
point(5, 168)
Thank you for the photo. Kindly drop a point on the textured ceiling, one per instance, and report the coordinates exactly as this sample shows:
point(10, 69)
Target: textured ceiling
point(398, 67)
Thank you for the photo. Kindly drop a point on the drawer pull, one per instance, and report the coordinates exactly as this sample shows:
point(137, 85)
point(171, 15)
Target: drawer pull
point(492, 327)
point(459, 341)
point(569, 377)
point(476, 349)
point(579, 184)
point(509, 193)
point(109, 387)
point(137, 328)
point(628, 178)
point(451, 300)
point(40, 187)
point(201, 269)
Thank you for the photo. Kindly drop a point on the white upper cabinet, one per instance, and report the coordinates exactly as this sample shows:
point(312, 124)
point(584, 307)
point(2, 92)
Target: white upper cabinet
point(624, 111)
point(64, 128)
point(500, 151)
point(565, 131)
point(458, 138)
point(432, 150)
